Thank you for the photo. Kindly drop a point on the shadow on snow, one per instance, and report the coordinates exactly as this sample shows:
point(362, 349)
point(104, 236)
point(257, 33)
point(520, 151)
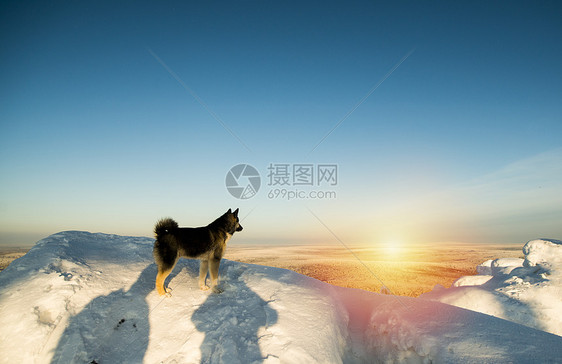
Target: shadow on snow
point(232, 321)
point(115, 327)
point(110, 327)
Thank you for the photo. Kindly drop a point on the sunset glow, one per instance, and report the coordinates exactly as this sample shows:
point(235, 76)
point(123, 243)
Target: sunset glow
point(392, 249)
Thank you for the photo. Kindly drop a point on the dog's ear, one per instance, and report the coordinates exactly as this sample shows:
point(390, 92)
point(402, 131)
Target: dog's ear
point(229, 211)
point(236, 212)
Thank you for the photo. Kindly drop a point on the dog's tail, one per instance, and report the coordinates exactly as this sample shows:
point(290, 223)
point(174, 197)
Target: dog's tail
point(164, 226)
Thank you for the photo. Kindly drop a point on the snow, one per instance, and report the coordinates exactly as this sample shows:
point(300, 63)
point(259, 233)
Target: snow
point(526, 291)
point(79, 297)
point(545, 253)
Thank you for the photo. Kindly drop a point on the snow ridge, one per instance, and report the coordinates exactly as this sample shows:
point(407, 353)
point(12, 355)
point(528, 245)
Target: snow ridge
point(79, 297)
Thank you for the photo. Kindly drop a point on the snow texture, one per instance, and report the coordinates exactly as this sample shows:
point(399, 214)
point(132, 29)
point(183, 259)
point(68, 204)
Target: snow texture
point(526, 291)
point(78, 297)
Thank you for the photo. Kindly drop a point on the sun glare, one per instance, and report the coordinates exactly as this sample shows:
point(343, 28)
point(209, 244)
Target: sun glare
point(391, 248)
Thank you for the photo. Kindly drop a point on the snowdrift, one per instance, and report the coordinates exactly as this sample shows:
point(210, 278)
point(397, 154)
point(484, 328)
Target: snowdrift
point(527, 291)
point(78, 297)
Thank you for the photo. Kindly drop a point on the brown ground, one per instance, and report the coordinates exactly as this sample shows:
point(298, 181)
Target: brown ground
point(8, 255)
point(406, 274)
point(411, 273)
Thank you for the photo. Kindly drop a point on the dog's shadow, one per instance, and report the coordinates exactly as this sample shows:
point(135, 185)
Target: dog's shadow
point(113, 326)
point(232, 321)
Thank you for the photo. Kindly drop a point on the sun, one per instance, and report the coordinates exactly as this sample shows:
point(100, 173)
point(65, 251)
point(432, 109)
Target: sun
point(392, 248)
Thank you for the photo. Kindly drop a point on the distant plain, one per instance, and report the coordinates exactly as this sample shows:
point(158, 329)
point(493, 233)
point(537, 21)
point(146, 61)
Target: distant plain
point(406, 271)
point(9, 254)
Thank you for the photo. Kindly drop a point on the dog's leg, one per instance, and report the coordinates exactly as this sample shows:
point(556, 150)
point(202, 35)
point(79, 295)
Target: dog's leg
point(214, 273)
point(163, 273)
point(203, 268)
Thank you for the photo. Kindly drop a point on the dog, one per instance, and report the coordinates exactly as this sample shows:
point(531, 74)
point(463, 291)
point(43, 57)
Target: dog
point(206, 243)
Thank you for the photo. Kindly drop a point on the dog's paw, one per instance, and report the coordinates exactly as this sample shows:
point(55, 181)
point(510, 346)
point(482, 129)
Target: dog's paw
point(166, 292)
point(204, 287)
point(217, 289)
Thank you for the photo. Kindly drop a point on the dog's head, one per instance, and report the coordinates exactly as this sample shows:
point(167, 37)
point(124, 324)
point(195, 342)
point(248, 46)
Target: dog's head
point(233, 221)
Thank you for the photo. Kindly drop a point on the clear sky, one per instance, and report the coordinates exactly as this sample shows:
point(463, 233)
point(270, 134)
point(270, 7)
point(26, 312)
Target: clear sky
point(448, 115)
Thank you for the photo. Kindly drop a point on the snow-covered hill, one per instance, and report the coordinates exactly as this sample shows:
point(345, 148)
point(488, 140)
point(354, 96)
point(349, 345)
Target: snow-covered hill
point(78, 297)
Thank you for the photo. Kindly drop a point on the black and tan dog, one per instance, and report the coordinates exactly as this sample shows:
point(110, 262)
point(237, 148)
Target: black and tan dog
point(206, 243)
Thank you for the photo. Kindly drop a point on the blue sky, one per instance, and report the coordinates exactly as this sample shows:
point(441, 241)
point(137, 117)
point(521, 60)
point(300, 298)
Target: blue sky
point(111, 115)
